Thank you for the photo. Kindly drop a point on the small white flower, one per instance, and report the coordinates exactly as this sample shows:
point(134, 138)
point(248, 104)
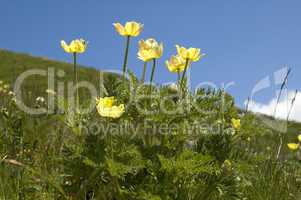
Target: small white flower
point(173, 86)
point(68, 183)
point(49, 91)
point(40, 99)
point(11, 93)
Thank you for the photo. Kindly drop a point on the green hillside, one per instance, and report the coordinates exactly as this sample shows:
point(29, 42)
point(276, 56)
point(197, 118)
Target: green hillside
point(13, 64)
point(169, 145)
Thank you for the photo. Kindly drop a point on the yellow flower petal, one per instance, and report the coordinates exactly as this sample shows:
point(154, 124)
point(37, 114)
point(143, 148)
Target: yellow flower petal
point(76, 46)
point(192, 54)
point(293, 146)
point(106, 108)
point(65, 46)
point(175, 64)
point(149, 49)
point(181, 51)
point(299, 138)
point(119, 28)
point(236, 123)
point(131, 28)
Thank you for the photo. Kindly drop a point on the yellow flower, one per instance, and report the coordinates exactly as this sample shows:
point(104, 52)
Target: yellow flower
point(293, 146)
point(299, 138)
point(227, 163)
point(149, 49)
point(236, 123)
point(106, 107)
point(76, 46)
point(132, 28)
point(192, 54)
point(175, 64)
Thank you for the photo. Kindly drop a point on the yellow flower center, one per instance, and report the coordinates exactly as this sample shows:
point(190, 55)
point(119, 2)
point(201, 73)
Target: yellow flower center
point(108, 102)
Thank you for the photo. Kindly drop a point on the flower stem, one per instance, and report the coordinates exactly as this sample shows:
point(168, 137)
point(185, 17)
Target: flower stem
point(126, 56)
point(111, 146)
point(144, 72)
point(184, 73)
point(75, 78)
point(153, 72)
point(178, 82)
point(179, 76)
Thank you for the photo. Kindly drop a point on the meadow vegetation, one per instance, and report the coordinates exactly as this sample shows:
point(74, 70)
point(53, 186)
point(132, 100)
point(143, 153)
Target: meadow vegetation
point(149, 142)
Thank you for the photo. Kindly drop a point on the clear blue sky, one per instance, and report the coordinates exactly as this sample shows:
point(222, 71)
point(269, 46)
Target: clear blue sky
point(244, 40)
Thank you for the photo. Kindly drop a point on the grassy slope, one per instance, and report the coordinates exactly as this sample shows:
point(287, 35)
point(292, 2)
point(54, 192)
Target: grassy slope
point(13, 64)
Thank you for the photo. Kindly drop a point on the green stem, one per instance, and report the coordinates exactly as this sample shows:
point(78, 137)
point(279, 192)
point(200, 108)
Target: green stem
point(178, 83)
point(75, 78)
point(153, 72)
point(184, 73)
point(144, 72)
point(126, 56)
point(111, 146)
point(100, 84)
